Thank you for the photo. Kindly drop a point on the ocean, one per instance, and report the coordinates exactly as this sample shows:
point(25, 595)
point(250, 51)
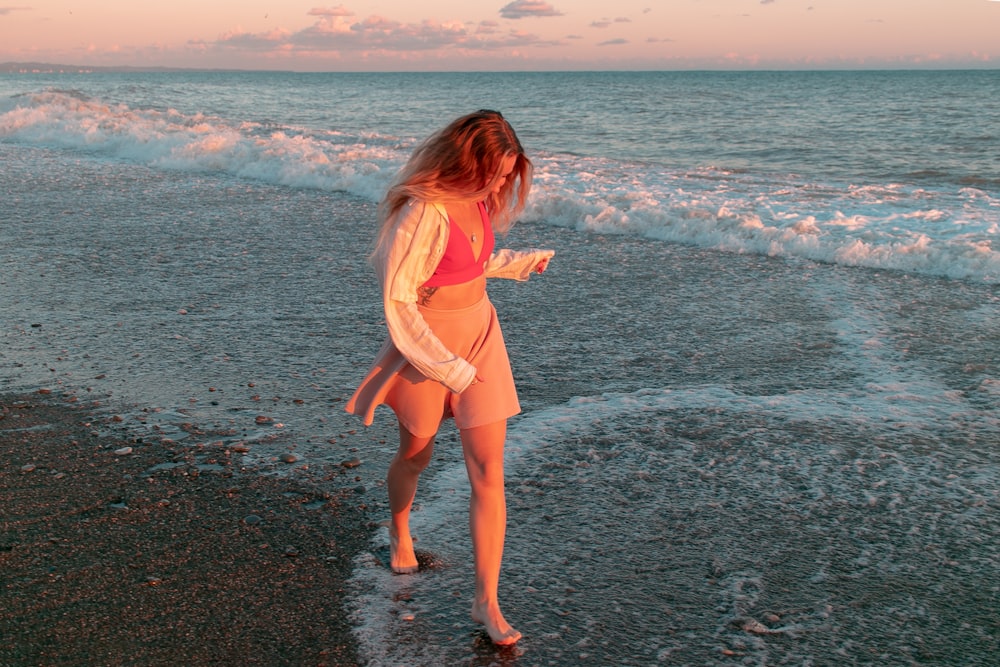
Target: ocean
point(760, 380)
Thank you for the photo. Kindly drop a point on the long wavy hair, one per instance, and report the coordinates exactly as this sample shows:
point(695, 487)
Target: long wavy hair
point(462, 163)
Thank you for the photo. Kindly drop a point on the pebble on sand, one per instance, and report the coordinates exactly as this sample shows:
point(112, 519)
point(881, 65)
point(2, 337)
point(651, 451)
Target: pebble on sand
point(288, 457)
point(351, 463)
point(124, 451)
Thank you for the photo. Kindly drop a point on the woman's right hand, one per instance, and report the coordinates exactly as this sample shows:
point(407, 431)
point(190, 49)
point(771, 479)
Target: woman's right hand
point(543, 261)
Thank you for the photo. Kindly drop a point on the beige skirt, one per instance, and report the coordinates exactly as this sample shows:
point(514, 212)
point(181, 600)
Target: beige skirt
point(420, 403)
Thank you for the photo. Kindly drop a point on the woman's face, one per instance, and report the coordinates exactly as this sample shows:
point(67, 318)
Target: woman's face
point(506, 167)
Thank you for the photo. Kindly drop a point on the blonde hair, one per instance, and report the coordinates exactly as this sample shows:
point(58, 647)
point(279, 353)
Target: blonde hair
point(462, 163)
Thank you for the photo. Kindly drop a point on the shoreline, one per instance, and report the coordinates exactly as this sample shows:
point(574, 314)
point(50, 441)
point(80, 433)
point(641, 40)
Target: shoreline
point(118, 549)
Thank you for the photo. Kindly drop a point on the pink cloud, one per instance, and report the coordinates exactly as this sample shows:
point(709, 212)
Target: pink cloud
point(339, 10)
point(334, 33)
point(488, 28)
point(605, 23)
point(520, 9)
point(244, 41)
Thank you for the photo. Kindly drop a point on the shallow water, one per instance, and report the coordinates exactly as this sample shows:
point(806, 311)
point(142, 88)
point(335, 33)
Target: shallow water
point(795, 468)
point(724, 457)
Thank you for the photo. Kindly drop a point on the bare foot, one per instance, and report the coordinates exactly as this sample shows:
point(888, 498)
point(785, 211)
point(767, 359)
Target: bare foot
point(402, 560)
point(496, 626)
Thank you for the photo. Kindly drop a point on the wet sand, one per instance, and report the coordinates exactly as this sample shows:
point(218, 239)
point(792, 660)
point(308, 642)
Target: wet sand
point(117, 549)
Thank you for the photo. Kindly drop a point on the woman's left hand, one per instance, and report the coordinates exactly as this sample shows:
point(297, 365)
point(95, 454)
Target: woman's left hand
point(543, 264)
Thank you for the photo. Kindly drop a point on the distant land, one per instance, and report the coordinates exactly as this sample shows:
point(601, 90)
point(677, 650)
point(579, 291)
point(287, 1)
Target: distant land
point(50, 68)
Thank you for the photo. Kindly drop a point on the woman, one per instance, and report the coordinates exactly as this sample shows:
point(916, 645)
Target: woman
point(445, 357)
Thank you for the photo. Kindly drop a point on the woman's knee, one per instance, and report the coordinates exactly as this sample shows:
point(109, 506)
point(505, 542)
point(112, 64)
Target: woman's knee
point(418, 462)
point(483, 448)
point(414, 452)
point(486, 478)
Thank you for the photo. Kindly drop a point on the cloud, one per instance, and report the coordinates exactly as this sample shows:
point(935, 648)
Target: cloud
point(334, 32)
point(488, 28)
point(520, 9)
point(10, 10)
point(376, 32)
point(767, 2)
point(339, 10)
point(604, 23)
point(244, 41)
point(614, 42)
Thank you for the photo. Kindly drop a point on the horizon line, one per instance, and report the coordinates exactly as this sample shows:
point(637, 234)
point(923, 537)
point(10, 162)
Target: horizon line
point(9, 68)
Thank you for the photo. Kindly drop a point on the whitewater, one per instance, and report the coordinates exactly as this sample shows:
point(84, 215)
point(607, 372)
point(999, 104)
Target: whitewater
point(926, 203)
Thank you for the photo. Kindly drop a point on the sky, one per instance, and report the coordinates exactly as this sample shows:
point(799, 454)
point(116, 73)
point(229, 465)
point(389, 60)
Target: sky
point(500, 35)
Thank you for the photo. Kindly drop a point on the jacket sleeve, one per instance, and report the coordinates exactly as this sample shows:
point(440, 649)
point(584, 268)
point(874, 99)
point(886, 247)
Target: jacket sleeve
point(418, 238)
point(515, 264)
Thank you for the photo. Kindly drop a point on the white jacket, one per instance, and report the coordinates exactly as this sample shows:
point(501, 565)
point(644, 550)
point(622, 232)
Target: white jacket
point(418, 239)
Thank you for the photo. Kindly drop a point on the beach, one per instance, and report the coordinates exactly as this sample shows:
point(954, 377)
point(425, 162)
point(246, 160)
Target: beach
point(760, 381)
point(120, 550)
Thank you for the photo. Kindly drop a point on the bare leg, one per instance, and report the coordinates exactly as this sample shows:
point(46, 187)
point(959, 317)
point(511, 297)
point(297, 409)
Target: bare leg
point(404, 471)
point(483, 449)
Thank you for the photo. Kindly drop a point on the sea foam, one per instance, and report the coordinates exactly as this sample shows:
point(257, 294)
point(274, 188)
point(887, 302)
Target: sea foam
point(947, 232)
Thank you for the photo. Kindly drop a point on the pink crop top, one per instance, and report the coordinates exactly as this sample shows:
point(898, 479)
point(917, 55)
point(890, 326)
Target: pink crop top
point(458, 265)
